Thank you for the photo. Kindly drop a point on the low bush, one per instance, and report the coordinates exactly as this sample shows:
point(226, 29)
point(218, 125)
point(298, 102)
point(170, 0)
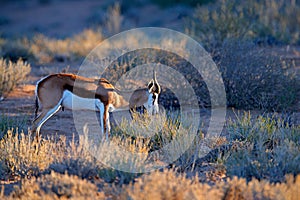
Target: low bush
point(263, 21)
point(170, 185)
point(25, 156)
point(57, 186)
point(156, 185)
point(232, 31)
point(12, 74)
point(255, 79)
point(15, 49)
point(270, 149)
point(8, 122)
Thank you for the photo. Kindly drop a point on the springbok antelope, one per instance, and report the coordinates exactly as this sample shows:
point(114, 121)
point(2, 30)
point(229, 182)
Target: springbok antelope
point(57, 91)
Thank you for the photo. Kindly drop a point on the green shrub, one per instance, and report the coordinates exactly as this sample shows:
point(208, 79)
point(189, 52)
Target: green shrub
point(12, 74)
point(15, 49)
point(268, 21)
point(147, 134)
point(8, 122)
point(76, 166)
point(270, 151)
point(255, 79)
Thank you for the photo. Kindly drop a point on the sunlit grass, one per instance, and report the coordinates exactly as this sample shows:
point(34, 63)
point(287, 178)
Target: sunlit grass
point(47, 49)
point(264, 143)
point(12, 74)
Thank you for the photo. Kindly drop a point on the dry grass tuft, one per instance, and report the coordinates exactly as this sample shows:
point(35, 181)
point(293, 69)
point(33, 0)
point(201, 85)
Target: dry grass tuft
point(12, 74)
point(57, 186)
point(170, 185)
point(20, 155)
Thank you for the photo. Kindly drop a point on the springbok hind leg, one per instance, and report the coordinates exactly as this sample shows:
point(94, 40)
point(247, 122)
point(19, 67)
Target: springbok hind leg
point(43, 117)
point(37, 120)
point(106, 122)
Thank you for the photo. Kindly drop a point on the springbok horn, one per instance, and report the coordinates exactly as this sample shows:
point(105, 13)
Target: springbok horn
point(157, 87)
point(154, 76)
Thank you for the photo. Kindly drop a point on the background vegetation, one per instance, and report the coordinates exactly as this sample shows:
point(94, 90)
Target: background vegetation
point(232, 31)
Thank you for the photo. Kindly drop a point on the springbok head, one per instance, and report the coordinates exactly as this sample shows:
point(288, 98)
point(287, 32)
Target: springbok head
point(154, 91)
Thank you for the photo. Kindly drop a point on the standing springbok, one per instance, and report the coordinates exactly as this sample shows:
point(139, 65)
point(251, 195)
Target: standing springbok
point(57, 91)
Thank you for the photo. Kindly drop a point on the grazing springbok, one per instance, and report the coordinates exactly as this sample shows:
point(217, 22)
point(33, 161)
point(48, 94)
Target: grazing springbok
point(58, 91)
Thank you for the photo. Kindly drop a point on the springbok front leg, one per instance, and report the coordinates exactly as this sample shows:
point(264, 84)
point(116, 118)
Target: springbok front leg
point(106, 121)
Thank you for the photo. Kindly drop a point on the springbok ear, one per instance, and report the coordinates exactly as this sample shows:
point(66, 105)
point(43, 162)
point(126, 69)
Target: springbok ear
point(156, 88)
point(150, 84)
